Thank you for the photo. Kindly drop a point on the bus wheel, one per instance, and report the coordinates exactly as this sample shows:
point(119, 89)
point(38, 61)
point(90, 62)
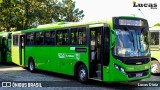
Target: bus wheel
point(82, 74)
point(31, 65)
point(155, 67)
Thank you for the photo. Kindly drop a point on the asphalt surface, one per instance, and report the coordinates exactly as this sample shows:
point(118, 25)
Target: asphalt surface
point(20, 78)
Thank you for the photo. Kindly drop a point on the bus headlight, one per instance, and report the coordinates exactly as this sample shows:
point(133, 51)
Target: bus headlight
point(119, 68)
point(122, 70)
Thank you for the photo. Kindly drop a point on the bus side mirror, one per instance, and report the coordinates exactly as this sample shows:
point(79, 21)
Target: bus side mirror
point(113, 38)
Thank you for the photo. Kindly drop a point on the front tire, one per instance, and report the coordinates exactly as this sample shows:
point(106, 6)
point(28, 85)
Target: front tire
point(155, 67)
point(82, 74)
point(31, 65)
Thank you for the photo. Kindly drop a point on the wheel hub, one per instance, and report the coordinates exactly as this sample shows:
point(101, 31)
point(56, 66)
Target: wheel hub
point(31, 66)
point(82, 74)
point(154, 68)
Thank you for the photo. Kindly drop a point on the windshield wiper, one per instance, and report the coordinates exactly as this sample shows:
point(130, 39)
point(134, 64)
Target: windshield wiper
point(139, 33)
point(131, 38)
point(142, 30)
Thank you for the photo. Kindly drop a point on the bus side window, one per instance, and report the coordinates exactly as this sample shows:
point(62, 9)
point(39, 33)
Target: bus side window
point(154, 38)
point(78, 36)
point(82, 36)
point(39, 38)
point(30, 37)
point(15, 39)
point(9, 45)
point(9, 42)
point(62, 37)
point(49, 38)
point(74, 36)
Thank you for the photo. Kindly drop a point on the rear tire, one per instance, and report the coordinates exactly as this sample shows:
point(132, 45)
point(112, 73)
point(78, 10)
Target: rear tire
point(155, 67)
point(82, 74)
point(31, 65)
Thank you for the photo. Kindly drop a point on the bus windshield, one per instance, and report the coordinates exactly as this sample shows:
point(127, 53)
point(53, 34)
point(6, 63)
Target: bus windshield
point(130, 43)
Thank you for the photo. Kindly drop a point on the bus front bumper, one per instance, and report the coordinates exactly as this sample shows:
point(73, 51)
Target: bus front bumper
point(129, 75)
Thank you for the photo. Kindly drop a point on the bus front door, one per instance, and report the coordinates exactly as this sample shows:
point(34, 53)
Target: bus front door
point(99, 51)
point(95, 53)
point(21, 49)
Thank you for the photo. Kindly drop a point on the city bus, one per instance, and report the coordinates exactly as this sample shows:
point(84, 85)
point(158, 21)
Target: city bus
point(5, 47)
point(112, 50)
point(155, 49)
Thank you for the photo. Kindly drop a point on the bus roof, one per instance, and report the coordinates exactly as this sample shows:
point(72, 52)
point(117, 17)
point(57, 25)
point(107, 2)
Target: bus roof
point(55, 26)
point(59, 25)
point(70, 24)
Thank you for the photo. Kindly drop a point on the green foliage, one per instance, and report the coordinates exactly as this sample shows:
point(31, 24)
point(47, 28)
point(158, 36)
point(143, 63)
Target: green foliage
point(158, 24)
point(24, 14)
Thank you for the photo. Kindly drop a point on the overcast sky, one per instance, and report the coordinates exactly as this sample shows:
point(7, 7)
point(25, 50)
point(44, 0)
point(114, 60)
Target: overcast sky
point(101, 9)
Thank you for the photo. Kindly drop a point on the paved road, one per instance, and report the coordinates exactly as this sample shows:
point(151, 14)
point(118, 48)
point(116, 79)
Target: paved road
point(15, 74)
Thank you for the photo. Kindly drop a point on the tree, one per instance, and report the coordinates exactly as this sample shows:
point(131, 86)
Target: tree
point(68, 11)
point(158, 24)
point(24, 14)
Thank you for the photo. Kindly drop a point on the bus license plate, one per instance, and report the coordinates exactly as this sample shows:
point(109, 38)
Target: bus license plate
point(139, 74)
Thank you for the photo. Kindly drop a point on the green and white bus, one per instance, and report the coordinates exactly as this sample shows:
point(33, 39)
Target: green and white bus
point(5, 47)
point(155, 49)
point(113, 50)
